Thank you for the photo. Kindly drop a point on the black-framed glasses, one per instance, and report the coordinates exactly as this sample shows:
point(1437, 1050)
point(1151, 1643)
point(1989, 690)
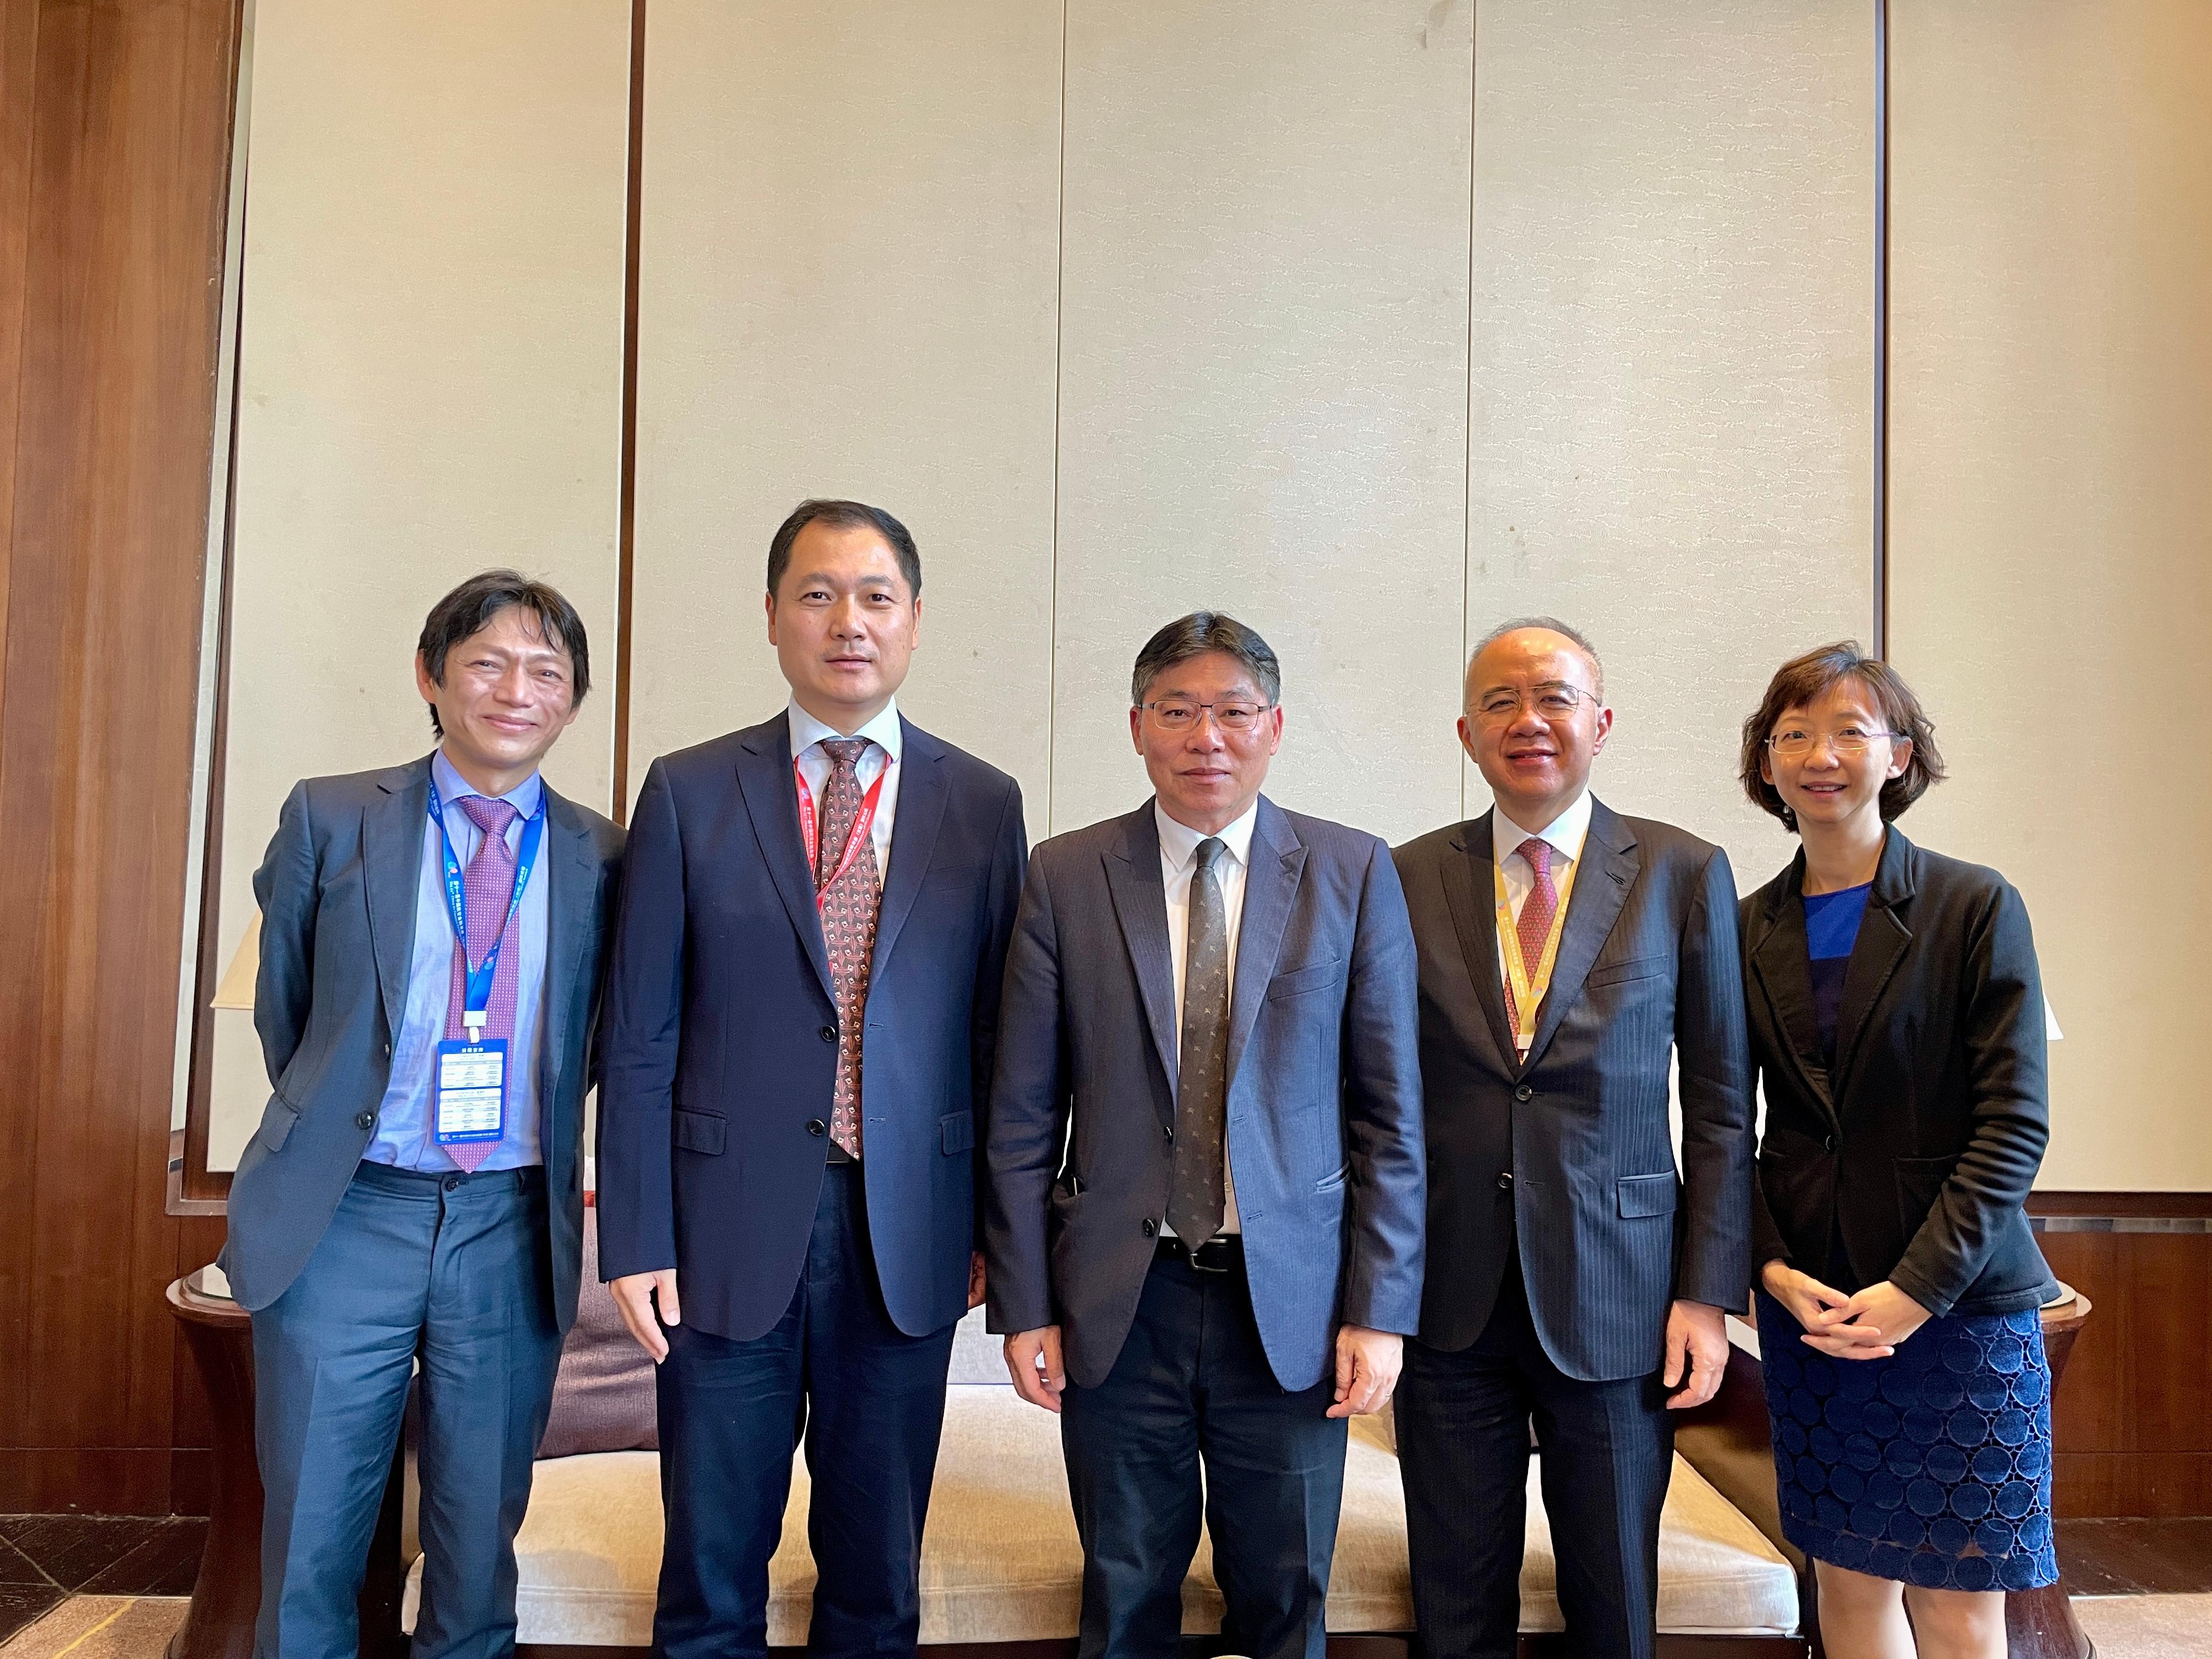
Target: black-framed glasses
point(1796, 744)
point(1235, 718)
point(1554, 700)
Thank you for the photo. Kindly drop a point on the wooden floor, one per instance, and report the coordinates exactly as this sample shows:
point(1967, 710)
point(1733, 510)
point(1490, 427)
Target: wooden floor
point(2137, 1558)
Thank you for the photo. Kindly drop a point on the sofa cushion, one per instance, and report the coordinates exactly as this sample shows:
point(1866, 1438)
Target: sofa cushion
point(1000, 1561)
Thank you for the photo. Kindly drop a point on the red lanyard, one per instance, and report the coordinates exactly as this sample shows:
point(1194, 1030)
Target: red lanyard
point(854, 843)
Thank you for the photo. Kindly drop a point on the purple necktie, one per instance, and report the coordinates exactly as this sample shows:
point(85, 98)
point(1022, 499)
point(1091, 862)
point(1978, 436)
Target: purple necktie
point(488, 886)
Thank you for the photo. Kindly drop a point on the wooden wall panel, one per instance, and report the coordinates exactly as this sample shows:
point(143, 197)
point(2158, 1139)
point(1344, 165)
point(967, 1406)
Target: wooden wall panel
point(121, 204)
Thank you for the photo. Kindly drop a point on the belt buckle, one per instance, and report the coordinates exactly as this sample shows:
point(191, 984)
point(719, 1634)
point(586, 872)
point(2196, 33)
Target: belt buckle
point(1219, 1263)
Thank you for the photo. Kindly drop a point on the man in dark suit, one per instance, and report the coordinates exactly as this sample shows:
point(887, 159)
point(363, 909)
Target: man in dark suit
point(1567, 954)
point(1204, 1216)
point(801, 1014)
point(431, 939)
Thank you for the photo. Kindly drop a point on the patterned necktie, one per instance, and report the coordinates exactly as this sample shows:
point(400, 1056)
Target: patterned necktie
point(1534, 927)
point(1197, 1197)
point(488, 885)
point(849, 927)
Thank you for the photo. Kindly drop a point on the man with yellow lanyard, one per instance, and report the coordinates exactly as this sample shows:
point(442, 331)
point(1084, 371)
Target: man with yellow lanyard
point(1569, 958)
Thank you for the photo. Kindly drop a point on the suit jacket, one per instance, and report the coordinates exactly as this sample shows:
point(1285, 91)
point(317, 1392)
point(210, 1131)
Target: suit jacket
point(1569, 1153)
point(337, 890)
point(1922, 1146)
point(721, 1031)
point(1324, 1094)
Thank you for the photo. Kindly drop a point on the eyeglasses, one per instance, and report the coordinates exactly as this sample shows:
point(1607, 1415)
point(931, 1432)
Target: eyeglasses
point(1795, 744)
point(1554, 700)
point(1235, 719)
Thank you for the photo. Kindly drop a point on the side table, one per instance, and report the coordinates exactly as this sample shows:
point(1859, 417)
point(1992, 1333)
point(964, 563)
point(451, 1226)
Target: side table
point(2041, 1623)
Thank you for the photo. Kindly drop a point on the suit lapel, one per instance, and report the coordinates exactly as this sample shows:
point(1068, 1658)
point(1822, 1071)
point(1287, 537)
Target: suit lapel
point(1780, 964)
point(574, 878)
point(921, 795)
point(392, 832)
point(1610, 864)
point(1271, 886)
point(772, 801)
point(1881, 945)
point(1140, 903)
point(1470, 888)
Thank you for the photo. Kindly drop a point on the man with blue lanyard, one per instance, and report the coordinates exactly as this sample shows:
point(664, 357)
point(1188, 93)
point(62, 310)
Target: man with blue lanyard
point(430, 945)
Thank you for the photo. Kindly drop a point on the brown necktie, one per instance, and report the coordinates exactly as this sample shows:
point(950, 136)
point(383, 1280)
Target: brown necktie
point(849, 927)
point(1197, 1191)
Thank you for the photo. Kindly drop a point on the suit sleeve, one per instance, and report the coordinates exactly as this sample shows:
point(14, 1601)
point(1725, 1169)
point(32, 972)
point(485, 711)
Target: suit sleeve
point(1028, 1122)
point(286, 888)
point(1767, 1243)
point(1388, 1177)
point(1715, 1078)
point(641, 1027)
point(1009, 863)
point(2006, 1056)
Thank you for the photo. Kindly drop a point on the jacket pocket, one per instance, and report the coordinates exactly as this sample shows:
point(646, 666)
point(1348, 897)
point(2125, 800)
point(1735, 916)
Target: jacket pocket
point(1918, 1181)
point(277, 1122)
point(1637, 967)
point(1646, 1194)
point(701, 1131)
point(957, 1132)
point(1298, 981)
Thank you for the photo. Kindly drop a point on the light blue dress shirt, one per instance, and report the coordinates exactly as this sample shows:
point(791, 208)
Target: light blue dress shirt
point(405, 1134)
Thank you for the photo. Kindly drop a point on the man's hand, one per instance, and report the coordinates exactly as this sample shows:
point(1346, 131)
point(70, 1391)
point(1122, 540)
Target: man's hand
point(634, 1295)
point(1697, 1353)
point(1367, 1365)
point(975, 1278)
point(1033, 1361)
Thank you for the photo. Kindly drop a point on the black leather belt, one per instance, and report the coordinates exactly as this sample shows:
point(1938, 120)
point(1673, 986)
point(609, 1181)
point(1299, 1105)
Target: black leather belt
point(1223, 1253)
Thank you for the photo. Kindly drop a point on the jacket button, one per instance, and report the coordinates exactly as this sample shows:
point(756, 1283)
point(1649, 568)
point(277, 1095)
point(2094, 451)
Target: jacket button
point(1505, 1182)
point(1828, 1144)
point(1150, 1227)
point(829, 1034)
point(1171, 1132)
point(817, 1127)
point(1524, 1093)
point(366, 1121)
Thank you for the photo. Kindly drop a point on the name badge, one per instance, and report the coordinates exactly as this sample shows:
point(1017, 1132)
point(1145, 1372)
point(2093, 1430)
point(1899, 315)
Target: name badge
point(471, 1097)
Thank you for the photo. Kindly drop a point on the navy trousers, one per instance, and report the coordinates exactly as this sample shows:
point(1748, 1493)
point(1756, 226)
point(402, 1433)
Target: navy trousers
point(869, 1400)
point(1191, 1386)
point(454, 1268)
point(1607, 1452)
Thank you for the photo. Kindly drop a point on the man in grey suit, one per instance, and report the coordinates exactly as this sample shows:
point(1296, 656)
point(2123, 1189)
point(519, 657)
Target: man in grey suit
point(1204, 1225)
point(431, 938)
point(1567, 955)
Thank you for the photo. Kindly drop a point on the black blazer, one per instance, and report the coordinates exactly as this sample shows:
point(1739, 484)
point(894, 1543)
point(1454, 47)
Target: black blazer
point(1570, 1153)
point(1923, 1145)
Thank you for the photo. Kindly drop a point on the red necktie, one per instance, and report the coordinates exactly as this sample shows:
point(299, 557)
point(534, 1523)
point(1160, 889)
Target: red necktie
point(848, 927)
point(488, 885)
point(1533, 926)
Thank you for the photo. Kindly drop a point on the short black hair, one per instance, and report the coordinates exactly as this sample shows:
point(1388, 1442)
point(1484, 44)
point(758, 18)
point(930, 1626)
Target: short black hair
point(1193, 636)
point(469, 610)
point(843, 515)
point(1802, 679)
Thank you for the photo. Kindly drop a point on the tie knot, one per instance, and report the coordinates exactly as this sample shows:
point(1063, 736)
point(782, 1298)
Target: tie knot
point(1208, 850)
point(844, 752)
point(1538, 852)
point(493, 817)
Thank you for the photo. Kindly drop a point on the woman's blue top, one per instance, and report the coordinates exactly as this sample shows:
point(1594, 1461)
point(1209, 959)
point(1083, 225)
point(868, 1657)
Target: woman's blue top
point(1832, 927)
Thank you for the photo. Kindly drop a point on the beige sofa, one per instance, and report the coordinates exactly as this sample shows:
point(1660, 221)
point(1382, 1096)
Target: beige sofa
point(1001, 1565)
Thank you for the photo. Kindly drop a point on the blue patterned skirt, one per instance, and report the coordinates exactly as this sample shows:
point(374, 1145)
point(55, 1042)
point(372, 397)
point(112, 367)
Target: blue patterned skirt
point(1931, 1466)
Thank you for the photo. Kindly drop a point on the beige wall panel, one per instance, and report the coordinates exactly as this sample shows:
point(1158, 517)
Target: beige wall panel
point(431, 384)
point(1264, 382)
point(1671, 438)
point(847, 288)
point(2051, 521)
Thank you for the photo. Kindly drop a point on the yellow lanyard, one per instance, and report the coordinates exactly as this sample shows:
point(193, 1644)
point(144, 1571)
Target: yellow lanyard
point(1524, 995)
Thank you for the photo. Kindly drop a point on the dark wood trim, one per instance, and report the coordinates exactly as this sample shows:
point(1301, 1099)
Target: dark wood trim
point(2121, 1205)
point(1378, 1645)
point(1881, 328)
point(626, 535)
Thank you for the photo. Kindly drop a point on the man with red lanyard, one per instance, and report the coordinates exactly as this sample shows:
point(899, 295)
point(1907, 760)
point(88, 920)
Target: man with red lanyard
point(802, 1011)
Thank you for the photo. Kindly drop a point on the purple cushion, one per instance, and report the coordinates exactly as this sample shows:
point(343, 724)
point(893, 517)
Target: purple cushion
point(603, 1394)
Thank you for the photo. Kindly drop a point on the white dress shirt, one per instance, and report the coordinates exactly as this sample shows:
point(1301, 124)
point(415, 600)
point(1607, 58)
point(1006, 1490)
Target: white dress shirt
point(879, 759)
point(1178, 864)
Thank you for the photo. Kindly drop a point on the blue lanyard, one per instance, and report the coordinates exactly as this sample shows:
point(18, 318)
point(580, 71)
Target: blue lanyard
point(476, 994)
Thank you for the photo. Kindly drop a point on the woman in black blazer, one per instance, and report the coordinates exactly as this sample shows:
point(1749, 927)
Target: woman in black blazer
point(1896, 1020)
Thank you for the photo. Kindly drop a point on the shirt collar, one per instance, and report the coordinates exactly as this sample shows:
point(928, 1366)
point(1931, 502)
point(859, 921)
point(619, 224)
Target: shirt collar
point(884, 731)
point(1566, 832)
point(1179, 842)
point(451, 787)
